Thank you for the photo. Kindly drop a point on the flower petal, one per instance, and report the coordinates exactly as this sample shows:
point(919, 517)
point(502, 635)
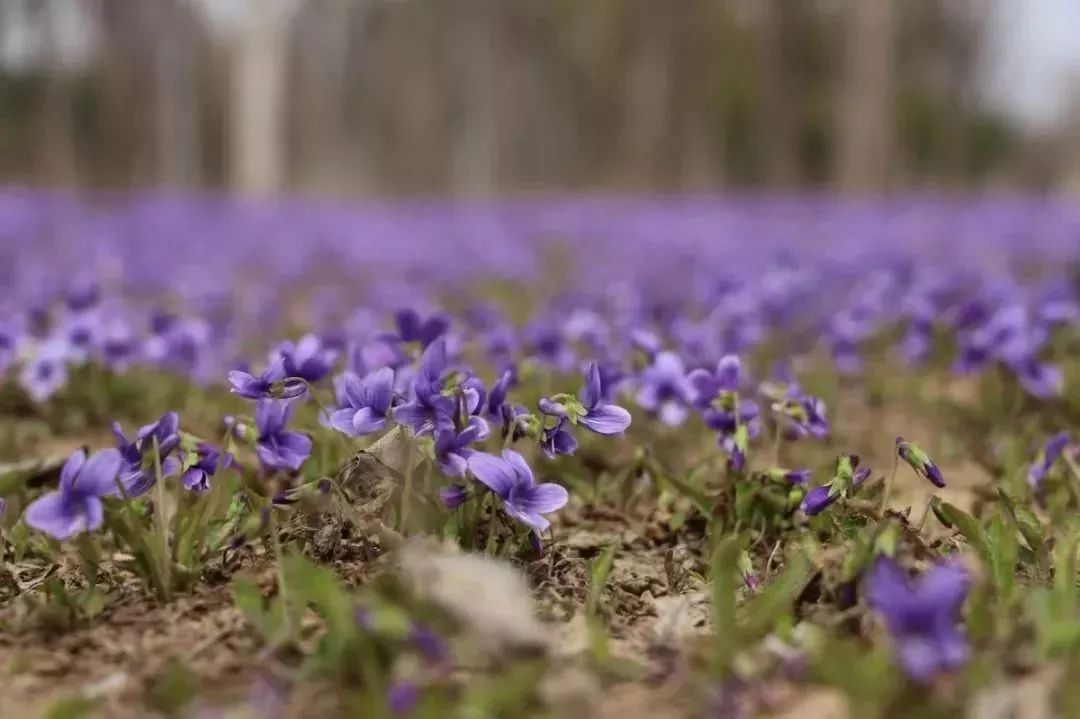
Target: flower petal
point(607, 419)
point(496, 474)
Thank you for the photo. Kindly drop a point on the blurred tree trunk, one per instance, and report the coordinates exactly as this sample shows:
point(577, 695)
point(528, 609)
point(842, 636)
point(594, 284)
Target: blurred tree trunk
point(322, 38)
point(695, 83)
point(866, 111)
point(176, 108)
point(257, 112)
point(56, 148)
point(782, 99)
point(475, 154)
point(646, 120)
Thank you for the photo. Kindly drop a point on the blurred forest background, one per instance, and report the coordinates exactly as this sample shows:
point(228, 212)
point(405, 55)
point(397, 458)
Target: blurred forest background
point(476, 97)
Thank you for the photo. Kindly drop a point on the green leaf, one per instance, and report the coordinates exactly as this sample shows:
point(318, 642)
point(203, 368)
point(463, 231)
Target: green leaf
point(72, 708)
point(249, 600)
point(725, 568)
point(969, 527)
point(1004, 551)
point(773, 605)
point(696, 496)
point(599, 570)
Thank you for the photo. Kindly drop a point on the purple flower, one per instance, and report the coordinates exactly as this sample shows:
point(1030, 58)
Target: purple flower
point(277, 447)
point(137, 470)
point(558, 439)
point(918, 460)
point(709, 385)
point(365, 402)
point(430, 645)
point(270, 384)
point(1045, 460)
point(1038, 379)
point(817, 500)
point(510, 478)
point(452, 448)
point(308, 359)
point(453, 496)
point(402, 697)
point(803, 415)
point(412, 328)
point(429, 409)
point(666, 390)
point(204, 465)
point(922, 616)
point(76, 507)
point(600, 416)
point(47, 371)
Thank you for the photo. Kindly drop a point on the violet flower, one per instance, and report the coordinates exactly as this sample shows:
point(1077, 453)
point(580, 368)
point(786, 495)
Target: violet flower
point(452, 448)
point(666, 390)
point(453, 496)
point(922, 615)
point(709, 385)
point(848, 478)
point(402, 697)
point(307, 359)
point(1046, 458)
point(412, 328)
point(918, 460)
point(76, 507)
point(429, 409)
point(278, 448)
point(46, 372)
point(270, 384)
point(600, 416)
point(558, 439)
point(137, 471)
point(365, 402)
point(205, 463)
point(511, 479)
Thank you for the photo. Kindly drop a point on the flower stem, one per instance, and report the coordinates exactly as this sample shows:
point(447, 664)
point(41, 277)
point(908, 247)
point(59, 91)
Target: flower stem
point(279, 555)
point(889, 482)
point(776, 444)
point(164, 561)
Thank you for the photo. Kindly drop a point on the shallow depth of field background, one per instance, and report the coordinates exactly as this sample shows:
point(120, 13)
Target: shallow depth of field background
point(362, 98)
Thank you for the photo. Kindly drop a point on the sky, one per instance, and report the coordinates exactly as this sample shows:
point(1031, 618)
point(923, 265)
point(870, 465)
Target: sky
point(1034, 60)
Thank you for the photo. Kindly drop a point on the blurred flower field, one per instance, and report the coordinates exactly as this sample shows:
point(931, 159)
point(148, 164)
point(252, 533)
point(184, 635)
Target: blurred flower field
point(638, 456)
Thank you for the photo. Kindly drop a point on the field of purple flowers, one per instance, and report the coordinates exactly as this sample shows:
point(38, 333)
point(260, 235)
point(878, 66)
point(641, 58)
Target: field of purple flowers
point(664, 457)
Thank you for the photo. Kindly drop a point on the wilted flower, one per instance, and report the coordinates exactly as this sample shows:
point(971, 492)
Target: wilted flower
point(277, 447)
point(922, 616)
point(511, 479)
point(666, 390)
point(270, 384)
point(76, 507)
point(918, 460)
point(364, 402)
